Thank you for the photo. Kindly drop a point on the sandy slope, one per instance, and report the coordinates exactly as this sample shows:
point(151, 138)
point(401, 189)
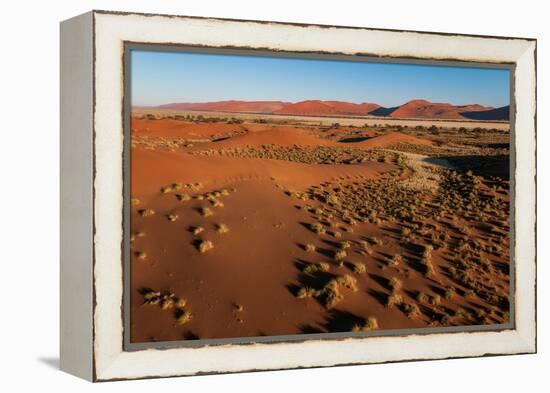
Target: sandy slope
point(246, 285)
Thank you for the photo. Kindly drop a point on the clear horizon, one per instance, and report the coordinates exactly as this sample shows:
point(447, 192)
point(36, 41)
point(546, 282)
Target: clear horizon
point(169, 77)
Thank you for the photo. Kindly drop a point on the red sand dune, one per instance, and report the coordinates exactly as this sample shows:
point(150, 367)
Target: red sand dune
point(316, 107)
point(170, 128)
point(417, 108)
point(391, 138)
point(431, 110)
point(153, 169)
point(230, 106)
point(280, 135)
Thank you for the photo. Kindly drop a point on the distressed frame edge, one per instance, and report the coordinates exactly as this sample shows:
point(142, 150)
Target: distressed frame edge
point(76, 207)
point(525, 339)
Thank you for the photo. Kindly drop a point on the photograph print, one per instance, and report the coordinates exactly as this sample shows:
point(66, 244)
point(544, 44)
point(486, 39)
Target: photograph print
point(284, 197)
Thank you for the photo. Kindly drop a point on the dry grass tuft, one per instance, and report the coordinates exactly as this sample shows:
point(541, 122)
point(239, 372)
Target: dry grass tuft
point(206, 211)
point(412, 310)
point(395, 299)
point(205, 245)
point(222, 228)
point(183, 317)
point(183, 197)
point(312, 268)
point(146, 212)
point(449, 293)
point(318, 228)
point(306, 292)
point(340, 255)
point(370, 324)
point(395, 284)
point(310, 247)
point(197, 230)
point(359, 268)
point(396, 260)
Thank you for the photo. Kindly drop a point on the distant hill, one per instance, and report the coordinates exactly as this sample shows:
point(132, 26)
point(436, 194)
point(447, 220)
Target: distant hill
point(502, 113)
point(420, 109)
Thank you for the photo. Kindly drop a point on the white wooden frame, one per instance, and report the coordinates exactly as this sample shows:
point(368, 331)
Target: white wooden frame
point(92, 194)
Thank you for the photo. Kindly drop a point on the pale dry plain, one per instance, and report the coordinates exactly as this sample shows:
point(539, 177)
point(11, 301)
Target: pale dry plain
point(249, 225)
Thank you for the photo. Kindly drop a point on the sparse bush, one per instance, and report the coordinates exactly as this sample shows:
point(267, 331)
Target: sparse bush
point(435, 300)
point(183, 197)
point(317, 228)
point(197, 230)
point(395, 299)
point(340, 255)
point(183, 317)
point(395, 284)
point(359, 268)
point(449, 293)
point(310, 247)
point(421, 297)
point(206, 212)
point(370, 324)
point(306, 292)
point(172, 217)
point(347, 281)
point(222, 228)
point(396, 260)
point(146, 212)
point(205, 245)
point(412, 310)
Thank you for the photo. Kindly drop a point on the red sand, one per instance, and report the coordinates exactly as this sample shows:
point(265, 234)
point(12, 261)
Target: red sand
point(246, 285)
point(431, 110)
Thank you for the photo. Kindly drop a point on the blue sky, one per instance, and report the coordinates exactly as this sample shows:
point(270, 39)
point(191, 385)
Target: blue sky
point(167, 77)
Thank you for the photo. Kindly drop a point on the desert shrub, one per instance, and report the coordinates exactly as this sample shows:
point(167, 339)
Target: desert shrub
point(183, 197)
point(311, 268)
point(395, 284)
point(339, 255)
point(345, 245)
point(206, 212)
point(395, 299)
point(205, 245)
point(449, 293)
point(146, 212)
point(197, 230)
point(347, 281)
point(317, 228)
point(172, 217)
point(435, 300)
point(396, 260)
point(371, 323)
point(411, 310)
point(183, 317)
point(359, 268)
point(310, 247)
point(421, 297)
point(222, 228)
point(306, 292)
point(141, 255)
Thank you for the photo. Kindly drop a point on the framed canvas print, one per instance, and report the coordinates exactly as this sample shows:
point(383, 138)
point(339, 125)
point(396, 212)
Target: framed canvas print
point(246, 195)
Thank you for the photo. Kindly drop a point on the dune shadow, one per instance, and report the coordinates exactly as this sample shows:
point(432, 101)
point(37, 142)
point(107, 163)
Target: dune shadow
point(309, 329)
point(342, 321)
point(380, 296)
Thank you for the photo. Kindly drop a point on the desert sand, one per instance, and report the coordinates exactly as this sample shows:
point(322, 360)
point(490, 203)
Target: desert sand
point(242, 226)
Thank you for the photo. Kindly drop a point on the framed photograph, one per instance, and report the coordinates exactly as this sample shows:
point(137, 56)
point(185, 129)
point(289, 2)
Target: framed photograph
point(247, 195)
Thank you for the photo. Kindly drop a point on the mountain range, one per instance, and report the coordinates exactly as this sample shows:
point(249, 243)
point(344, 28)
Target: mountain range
point(411, 109)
